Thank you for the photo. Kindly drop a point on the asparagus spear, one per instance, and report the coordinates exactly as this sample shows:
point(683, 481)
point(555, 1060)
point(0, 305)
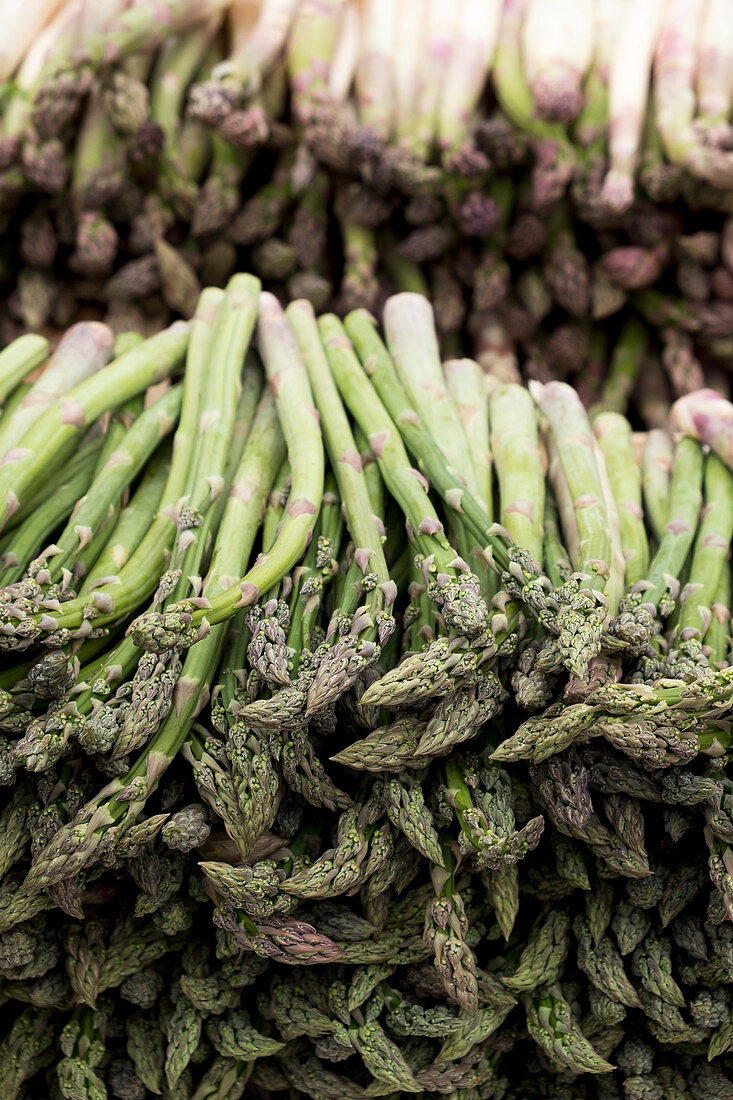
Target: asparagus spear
point(628, 89)
point(675, 94)
point(93, 440)
point(706, 416)
point(17, 361)
point(410, 331)
point(121, 594)
point(713, 57)
point(557, 560)
point(13, 402)
point(446, 928)
point(685, 500)
point(521, 479)
point(467, 386)
point(31, 535)
point(574, 462)
point(83, 350)
point(249, 398)
point(254, 47)
point(710, 554)
point(411, 338)
point(551, 1023)
point(132, 524)
point(717, 635)
point(656, 471)
point(310, 584)
point(557, 45)
point(473, 43)
point(25, 1044)
point(121, 468)
point(614, 437)
point(614, 589)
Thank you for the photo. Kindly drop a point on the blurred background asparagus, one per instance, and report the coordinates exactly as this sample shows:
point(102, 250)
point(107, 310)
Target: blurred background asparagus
point(549, 191)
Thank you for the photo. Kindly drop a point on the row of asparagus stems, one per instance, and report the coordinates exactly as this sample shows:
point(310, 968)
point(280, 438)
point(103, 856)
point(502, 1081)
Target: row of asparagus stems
point(148, 151)
point(397, 93)
point(364, 720)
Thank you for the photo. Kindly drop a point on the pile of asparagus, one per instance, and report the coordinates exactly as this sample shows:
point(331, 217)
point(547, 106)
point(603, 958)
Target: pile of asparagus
point(363, 720)
point(480, 152)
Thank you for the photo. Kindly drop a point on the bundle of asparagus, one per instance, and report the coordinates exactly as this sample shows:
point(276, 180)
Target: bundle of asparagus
point(343, 151)
point(322, 653)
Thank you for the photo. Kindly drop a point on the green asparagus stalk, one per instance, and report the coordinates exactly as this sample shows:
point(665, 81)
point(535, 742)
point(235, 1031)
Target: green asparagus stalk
point(615, 587)
point(375, 485)
point(93, 438)
point(17, 361)
point(120, 468)
point(410, 331)
point(706, 416)
point(25, 1044)
point(446, 928)
point(555, 156)
point(83, 350)
point(710, 554)
point(576, 480)
point(387, 388)
point(717, 635)
point(412, 341)
point(656, 473)
point(613, 432)
point(685, 501)
point(31, 536)
point(658, 724)
point(220, 193)
point(551, 1023)
point(249, 398)
point(518, 464)
point(310, 53)
point(359, 284)
point(467, 386)
point(13, 402)
point(557, 560)
point(132, 524)
point(97, 168)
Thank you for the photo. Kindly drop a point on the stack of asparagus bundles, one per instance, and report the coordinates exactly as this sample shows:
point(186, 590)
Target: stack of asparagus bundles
point(363, 720)
point(480, 152)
